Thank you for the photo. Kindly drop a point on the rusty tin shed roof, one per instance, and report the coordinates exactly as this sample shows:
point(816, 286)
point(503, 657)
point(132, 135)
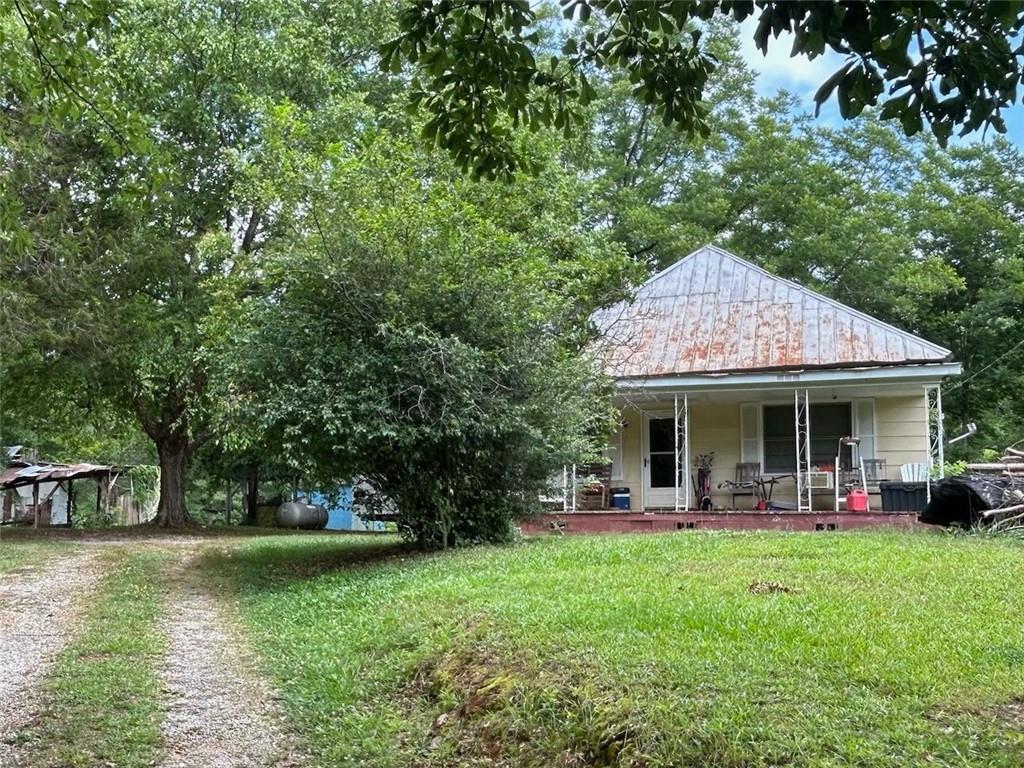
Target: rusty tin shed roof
point(15, 476)
point(713, 312)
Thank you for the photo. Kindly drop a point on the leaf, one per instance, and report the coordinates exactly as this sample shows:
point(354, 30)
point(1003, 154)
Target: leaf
point(825, 90)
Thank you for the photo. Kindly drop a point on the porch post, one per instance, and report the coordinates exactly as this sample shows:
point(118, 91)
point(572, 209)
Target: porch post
point(681, 452)
point(686, 445)
point(642, 458)
point(565, 489)
point(802, 425)
point(573, 487)
point(675, 453)
point(936, 437)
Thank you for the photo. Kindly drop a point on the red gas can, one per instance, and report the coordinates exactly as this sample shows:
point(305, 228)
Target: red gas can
point(857, 500)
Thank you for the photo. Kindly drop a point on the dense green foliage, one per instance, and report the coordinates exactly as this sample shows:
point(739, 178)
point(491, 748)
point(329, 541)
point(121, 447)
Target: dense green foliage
point(118, 236)
point(426, 335)
point(480, 75)
point(890, 650)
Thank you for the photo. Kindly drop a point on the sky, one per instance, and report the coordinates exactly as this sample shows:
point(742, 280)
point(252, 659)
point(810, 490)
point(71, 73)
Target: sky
point(802, 78)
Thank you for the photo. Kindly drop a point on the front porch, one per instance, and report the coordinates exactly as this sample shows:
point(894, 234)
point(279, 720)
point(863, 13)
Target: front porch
point(770, 453)
point(618, 521)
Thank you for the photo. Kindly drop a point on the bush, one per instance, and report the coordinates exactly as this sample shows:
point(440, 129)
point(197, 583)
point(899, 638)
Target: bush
point(431, 337)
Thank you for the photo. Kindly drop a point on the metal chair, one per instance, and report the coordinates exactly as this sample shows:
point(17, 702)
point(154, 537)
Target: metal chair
point(747, 475)
point(874, 471)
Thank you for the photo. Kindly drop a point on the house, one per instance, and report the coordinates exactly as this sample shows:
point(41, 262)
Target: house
point(716, 357)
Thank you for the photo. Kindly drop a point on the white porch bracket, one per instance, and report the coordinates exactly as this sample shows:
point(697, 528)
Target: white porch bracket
point(936, 435)
point(568, 488)
point(802, 424)
point(681, 432)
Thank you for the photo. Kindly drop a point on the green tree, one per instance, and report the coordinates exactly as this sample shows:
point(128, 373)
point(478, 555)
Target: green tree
point(480, 73)
point(968, 211)
point(120, 236)
point(428, 335)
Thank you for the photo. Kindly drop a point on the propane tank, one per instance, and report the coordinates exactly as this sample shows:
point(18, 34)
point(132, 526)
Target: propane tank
point(301, 514)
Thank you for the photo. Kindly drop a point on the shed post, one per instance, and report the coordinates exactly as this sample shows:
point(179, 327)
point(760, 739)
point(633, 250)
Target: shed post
point(99, 496)
point(106, 497)
point(71, 493)
point(35, 505)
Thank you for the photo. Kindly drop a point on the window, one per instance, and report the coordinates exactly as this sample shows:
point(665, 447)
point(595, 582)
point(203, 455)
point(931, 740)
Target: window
point(829, 423)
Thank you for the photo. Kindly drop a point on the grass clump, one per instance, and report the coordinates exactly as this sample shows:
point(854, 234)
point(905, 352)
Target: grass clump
point(102, 698)
point(718, 649)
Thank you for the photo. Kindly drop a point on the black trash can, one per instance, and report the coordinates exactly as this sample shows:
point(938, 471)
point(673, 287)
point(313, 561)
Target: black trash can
point(898, 496)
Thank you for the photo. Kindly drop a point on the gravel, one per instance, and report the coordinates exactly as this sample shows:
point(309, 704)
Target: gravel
point(219, 713)
point(38, 607)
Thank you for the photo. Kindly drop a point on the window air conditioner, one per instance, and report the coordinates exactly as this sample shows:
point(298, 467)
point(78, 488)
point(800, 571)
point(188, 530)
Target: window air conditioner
point(819, 480)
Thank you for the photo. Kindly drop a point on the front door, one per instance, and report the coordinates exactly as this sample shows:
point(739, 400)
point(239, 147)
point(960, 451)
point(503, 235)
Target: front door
point(660, 462)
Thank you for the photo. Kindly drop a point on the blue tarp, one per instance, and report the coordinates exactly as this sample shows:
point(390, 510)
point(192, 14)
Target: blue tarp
point(340, 516)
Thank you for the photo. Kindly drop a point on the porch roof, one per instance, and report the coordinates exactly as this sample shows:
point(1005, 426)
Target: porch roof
point(715, 313)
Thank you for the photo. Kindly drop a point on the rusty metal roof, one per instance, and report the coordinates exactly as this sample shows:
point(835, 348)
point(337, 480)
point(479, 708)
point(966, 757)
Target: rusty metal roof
point(713, 312)
point(16, 476)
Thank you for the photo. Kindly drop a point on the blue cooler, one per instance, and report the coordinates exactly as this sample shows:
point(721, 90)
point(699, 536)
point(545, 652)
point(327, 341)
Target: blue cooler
point(620, 498)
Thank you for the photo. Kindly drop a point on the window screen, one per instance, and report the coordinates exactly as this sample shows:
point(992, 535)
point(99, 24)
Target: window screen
point(829, 423)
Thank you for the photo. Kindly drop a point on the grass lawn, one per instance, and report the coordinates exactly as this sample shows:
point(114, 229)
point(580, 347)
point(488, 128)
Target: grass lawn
point(102, 699)
point(16, 552)
point(889, 650)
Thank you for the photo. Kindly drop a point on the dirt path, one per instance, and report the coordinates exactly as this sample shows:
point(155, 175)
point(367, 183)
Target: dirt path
point(38, 607)
point(220, 714)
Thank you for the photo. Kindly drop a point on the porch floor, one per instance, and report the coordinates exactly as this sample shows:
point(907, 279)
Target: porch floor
point(625, 521)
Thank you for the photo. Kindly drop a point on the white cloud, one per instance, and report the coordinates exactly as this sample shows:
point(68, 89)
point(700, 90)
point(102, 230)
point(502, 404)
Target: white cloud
point(777, 70)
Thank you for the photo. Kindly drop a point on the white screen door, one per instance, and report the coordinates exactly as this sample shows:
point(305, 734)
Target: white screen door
point(660, 463)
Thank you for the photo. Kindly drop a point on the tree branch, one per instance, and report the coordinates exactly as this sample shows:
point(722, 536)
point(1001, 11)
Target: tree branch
point(67, 84)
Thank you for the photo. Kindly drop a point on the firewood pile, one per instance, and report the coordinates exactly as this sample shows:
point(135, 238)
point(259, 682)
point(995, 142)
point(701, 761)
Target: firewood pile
point(1009, 514)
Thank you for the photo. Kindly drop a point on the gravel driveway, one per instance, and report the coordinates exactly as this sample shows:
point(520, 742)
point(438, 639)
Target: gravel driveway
point(219, 713)
point(38, 607)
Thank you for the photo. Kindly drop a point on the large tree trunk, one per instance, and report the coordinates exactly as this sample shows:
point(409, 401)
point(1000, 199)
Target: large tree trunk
point(173, 466)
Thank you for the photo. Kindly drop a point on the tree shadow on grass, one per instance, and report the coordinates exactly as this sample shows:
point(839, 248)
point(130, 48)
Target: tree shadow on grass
point(271, 565)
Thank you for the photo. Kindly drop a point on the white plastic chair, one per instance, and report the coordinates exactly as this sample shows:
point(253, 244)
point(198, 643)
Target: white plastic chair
point(916, 472)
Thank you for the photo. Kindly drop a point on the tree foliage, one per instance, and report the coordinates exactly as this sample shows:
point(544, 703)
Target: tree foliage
point(480, 73)
point(427, 336)
point(120, 230)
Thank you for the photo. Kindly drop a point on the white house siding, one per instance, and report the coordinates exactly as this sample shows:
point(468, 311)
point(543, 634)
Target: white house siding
point(902, 431)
